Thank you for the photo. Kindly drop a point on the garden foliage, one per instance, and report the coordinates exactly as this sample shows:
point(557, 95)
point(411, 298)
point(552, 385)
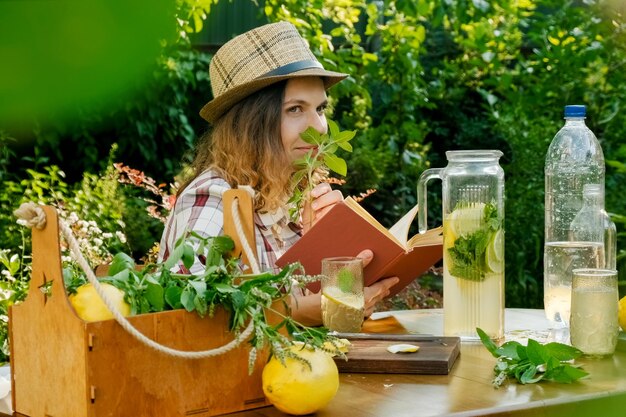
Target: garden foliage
point(426, 76)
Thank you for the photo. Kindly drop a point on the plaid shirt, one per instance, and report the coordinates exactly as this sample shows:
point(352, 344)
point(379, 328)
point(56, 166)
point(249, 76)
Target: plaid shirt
point(200, 209)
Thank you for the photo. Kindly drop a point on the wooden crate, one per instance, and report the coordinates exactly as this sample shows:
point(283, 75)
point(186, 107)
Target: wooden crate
point(63, 366)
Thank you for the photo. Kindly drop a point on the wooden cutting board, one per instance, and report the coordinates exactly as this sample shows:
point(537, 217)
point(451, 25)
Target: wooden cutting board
point(368, 354)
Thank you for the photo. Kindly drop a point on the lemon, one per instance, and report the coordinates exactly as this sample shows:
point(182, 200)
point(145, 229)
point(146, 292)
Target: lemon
point(467, 220)
point(342, 312)
point(342, 345)
point(90, 307)
point(295, 388)
point(495, 255)
point(622, 313)
point(449, 237)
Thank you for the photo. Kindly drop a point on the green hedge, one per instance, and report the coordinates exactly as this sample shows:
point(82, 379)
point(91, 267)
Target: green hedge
point(426, 76)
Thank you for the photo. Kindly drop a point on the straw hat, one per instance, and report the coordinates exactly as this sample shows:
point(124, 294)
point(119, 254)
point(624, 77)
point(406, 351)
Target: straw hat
point(256, 59)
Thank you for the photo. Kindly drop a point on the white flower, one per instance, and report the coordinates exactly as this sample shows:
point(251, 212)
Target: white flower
point(121, 236)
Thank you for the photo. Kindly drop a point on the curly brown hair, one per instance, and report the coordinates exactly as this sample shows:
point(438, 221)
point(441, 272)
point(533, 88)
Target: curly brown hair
point(245, 148)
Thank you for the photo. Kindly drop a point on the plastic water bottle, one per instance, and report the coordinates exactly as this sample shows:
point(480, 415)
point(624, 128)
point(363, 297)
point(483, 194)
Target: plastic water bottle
point(574, 159)
point(593, 224)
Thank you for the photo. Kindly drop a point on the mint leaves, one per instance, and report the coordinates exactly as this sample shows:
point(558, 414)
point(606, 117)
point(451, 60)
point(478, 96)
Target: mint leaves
point(473, 253)
point(534, 362)
point(304, 179)
point(345, 280)
point(154, 288)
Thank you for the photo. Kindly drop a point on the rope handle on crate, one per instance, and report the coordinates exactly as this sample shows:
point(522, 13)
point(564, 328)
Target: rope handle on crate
point(32, 215)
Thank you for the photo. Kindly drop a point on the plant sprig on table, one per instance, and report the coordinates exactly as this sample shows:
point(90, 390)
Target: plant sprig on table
point(315, 161)
point(246, 297)
point(534, 362)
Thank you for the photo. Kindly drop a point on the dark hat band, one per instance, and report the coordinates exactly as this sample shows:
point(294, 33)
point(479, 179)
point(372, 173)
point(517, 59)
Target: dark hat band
point(292, 67)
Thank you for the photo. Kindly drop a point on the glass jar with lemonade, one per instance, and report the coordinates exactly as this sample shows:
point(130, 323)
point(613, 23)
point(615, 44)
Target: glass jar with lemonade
point(473, 240)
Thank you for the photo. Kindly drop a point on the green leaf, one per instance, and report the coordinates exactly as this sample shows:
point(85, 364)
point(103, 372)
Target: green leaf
point(528, 375)
point(224, 288)
point(345, 146)
point(224, 244)
point(333, 128)
point(188, 256)
point(200, 305)
point(344, 136)
point(311, 136)
point(562, 352)
point(487, 342)
point(199, 287)
point(187, 299)
point(575, 372)
point(537, 353)
point(120, 262)
point(509, 350)
point(173, 297)
point(336, 164)
point(345, 278)
point(154, 293)
point(122, 276)
point(174, 257)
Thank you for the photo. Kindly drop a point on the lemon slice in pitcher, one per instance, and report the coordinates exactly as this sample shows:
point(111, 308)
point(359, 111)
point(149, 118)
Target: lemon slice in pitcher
point(467, 220)
point(494, 255)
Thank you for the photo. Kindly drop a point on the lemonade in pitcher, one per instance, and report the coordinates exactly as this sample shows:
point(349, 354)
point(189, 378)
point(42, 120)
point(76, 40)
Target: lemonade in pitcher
point(473, 270)
point(473, 240)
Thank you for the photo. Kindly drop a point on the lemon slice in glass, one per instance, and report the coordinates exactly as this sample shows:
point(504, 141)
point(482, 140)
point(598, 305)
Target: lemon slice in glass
point(342, 312)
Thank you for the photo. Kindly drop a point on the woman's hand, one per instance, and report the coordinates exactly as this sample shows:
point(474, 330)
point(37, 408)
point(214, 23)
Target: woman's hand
point(323, 199)
point(375, 292)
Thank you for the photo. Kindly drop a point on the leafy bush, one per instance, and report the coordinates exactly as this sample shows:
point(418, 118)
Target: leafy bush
point(426, 77)
point(431, 76)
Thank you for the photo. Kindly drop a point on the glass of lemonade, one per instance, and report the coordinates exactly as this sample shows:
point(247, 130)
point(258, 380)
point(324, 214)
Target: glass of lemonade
point(562, 259)
point(594, 324)
point(343, 303)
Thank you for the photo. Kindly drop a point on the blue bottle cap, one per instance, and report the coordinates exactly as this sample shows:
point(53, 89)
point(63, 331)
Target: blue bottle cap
point(577, 110)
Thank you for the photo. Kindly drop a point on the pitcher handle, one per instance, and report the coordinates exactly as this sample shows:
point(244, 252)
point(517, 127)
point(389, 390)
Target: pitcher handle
point(422, 215)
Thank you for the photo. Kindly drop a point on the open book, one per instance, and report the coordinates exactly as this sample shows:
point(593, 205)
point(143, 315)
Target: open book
point(348, 228)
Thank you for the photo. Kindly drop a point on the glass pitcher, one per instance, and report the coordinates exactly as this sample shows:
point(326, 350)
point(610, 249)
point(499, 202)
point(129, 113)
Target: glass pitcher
point(473, 241)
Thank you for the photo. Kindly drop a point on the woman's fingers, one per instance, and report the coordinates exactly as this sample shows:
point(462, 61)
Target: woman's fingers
point(376, 292)
point(324, 198)
point(367, 256)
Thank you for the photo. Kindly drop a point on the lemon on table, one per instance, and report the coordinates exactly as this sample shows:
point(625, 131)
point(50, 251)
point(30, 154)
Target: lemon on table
point(295, 388)
point(341, 345)
point(622, 313)
point(90, 307)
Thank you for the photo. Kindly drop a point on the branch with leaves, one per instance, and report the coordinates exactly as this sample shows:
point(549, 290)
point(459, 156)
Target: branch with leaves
point(154, 288)
point(534, 362)
point(313, 167)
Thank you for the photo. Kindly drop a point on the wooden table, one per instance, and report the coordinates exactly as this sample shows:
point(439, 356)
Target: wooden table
point(467, 390)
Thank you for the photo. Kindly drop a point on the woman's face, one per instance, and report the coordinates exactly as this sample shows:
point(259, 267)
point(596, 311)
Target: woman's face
point(304, 104)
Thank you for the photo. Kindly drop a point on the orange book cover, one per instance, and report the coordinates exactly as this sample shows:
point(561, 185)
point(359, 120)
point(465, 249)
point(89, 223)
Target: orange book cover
point(348, 228)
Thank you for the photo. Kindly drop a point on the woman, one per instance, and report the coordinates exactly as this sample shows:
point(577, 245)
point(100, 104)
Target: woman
point(268, 87)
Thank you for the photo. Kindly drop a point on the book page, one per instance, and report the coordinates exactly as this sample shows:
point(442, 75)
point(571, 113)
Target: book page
point(430, 237)
point(401, 229)
point(350, 202)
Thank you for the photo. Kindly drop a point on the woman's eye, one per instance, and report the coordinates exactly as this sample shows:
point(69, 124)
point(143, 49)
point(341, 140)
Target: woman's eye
point(294, 109)
point(321, 109)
